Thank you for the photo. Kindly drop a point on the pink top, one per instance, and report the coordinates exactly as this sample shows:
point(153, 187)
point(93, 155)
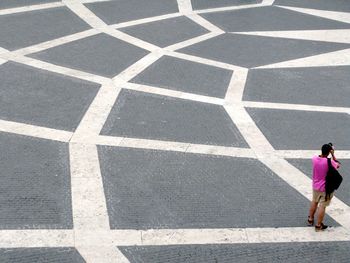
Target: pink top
point(319, 172)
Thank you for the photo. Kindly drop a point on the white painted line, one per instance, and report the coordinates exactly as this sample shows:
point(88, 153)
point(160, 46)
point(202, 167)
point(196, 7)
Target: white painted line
point(236, 86)
point(307, 154)
point(95, 117)
point(30, 8)
point(57, 69)
point(35, 131)
point(2, 61)
point(185, 6)
point(338, 16)
point(88, 199)
point(173, 146)
point(201, 60)
point(159, 237)
point(229, 8)
point(93, 1)
point(145, 20)
point(36, 238)
point(205, 23)
point(192, 41)
point(56, 42)
point(173, 93)
point(287, 106)
point(334, 35)
point(336, 58)
point(267, 2)
point(139, 66)
point(101, 254)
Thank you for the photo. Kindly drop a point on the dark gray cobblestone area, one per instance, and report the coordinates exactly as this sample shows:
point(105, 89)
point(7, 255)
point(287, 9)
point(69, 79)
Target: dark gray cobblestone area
point(34, 184)
point(150, 116)
point(332, 252)
point(158, 189)
point(40, 255)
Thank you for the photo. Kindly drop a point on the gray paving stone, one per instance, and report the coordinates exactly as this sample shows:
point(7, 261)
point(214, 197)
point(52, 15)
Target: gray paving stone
point(34, 184)
point(334, 252)
point(334, 5)
point(113, 12)
point(204, 4)
point(25, 29)
point(100, 54)
point(264, 19)
point(326, 86)
point(18, 3)
point(147, 189)
point(187, 76)
point(149, 116)
point(302, 130)
point(166, 32)
point(40, 255)
point(342, 193)
point(253, 51)
point(43, 98)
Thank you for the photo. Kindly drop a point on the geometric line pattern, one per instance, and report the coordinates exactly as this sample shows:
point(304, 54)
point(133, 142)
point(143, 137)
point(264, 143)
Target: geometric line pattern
point(92, 235)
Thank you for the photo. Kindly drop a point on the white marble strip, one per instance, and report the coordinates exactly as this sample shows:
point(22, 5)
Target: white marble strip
point(139, 66)
point(338, 16)
point(35, 131)
point(30, 8)
point(101, 254)
point(145, 20)
point(205, 23)
point(287, 106)
point(3, 61)
point(173, 93)
point(56, 42)
point(336, 58)
point(334, 35)
point(268, 2)
point(55, 68)
point(236, 86)
point(201, 60)
point(159, 237)
point(3, 50)
point(36, 238)
point(88, 199)
point(95, 117)
point(192, 41)
point(185, 6)
point(229, 8)
point(307, 154)
point(138, 143)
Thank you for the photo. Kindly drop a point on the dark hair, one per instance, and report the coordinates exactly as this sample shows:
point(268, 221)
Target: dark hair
point(326, 149)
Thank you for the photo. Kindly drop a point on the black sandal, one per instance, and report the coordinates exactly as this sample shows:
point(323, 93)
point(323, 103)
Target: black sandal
point(321, 227)
point(310, 222)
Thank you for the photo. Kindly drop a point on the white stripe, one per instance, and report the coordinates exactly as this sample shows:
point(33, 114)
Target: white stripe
point(201, 60)
point(30, 8)
point(35, 131)
point(307, 154)
point(334, 35)
point(287, 106)
point(338, 16)
point(205, 23)
point(145, 20)
point(185, 6)
point(56, 42)
point(36, 238)
point(173, 93)
point(336, 58)
point(192, 41)
point(229, 8)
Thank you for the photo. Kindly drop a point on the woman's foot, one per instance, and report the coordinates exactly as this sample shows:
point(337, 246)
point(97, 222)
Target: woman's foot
point(320, 227)
point(310, 221)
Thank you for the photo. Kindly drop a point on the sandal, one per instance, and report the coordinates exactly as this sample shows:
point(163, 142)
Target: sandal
point(320, 227)
point(310, 222)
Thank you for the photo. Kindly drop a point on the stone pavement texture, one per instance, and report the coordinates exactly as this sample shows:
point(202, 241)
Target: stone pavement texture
point(171, 130)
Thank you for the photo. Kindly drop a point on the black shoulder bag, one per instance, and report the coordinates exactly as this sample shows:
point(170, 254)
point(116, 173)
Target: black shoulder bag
point(333, 179)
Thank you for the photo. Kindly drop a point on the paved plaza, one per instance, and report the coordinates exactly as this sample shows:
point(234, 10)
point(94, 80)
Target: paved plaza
point(151, 131)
